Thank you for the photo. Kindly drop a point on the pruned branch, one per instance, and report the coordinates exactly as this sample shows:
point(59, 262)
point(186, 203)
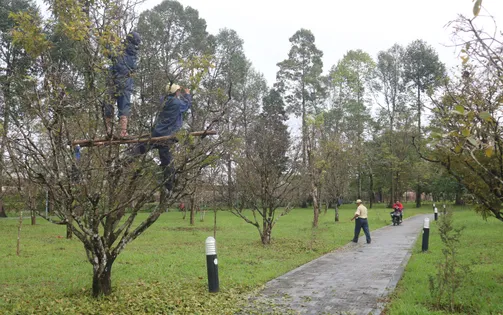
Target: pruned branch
point(101, 142)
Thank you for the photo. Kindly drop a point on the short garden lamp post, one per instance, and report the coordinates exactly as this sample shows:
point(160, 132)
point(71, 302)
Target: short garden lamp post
point(445, 211)
point(426, 234)
point(212, 264)
point(436, 214)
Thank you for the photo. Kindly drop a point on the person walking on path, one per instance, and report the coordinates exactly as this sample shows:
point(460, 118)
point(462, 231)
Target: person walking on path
point(361, 222)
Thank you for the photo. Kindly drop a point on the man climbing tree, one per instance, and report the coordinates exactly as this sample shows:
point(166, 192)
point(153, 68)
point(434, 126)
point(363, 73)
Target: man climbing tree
point(168, 122)
point(66, 104)
point(121, 85)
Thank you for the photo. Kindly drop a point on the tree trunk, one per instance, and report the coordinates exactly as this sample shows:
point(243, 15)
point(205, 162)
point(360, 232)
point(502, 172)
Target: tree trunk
point(418, 191)
point(336, 212)
point(102, 282)
point(371, 190)
point(31, 204)
point(4, 132)
point(419, 112)
point(192, 210)
point(215, 224)
point(52, 203)
point(229, 183)
point(266, 234)
point(316, 206)
point(418, 195)
point(304, 130)
point(458, 201)
point(33, 218)
point(459, 194)
point(359, 145)
point(18, 248)
point(392, 191)
point(69, 229)
point(392, 183)
point(2, 210)
point(359, 183)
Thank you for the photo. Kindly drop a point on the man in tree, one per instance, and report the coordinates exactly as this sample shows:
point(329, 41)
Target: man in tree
point(169, 121)
point(121, 71)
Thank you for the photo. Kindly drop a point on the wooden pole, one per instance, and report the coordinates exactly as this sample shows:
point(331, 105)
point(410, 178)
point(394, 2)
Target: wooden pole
point(18, 248)
point(144, 139)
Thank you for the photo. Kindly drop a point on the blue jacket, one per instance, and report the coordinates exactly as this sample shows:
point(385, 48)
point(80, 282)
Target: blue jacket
point(127, 62)
point(170, 119)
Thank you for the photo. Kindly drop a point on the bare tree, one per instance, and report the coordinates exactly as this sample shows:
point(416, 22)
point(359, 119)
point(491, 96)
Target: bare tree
point(99, 190)
point(264, 171)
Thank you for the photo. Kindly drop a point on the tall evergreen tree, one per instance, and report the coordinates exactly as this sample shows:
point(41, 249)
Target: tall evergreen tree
point(353, 76)
point(14, 67)
point(423, 70)
point(299, 79)
point(391, 85)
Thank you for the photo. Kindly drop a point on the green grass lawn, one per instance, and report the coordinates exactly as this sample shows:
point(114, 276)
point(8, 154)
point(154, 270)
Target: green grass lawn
point(164, 270)
point(480, 247)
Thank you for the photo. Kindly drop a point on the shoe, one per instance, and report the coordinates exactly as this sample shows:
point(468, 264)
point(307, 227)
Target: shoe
point(123, 124)
point(168, 193)
point(112, 137)
point(108, 126)
point(369, 242)
point(354, 241)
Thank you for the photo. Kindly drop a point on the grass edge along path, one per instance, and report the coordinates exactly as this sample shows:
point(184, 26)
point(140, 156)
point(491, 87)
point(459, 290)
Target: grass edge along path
point(480, 254)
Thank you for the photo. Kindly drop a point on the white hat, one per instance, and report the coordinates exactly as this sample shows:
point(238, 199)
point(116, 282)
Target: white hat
point(172, 88)
point(358, 201)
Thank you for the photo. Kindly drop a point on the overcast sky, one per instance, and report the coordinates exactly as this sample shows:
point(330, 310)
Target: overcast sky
point(339, 26)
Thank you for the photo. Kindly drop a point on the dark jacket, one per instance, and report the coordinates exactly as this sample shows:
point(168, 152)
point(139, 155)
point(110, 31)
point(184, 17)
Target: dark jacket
point(127, 62)
point(170, 118)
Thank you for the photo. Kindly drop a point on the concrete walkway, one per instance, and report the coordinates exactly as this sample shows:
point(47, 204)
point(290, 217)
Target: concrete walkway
point(352, 280)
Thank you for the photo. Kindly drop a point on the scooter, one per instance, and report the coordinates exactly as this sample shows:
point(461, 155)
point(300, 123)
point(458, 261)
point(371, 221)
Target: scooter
point(395, 217)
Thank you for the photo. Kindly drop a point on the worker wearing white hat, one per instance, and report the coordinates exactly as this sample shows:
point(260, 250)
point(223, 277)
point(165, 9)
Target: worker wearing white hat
point(169, 121)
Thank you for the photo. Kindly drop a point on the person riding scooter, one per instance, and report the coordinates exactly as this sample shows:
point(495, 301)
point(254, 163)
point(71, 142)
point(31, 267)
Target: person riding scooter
point(395, 217)
point(399, 207)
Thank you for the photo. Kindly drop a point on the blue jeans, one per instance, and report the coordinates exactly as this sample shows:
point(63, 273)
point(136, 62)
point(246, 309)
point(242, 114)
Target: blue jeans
point(165, 156)
point(361, 224)
point(121, 92)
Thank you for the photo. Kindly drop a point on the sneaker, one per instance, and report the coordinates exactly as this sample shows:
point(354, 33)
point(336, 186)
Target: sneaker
point(168, 193)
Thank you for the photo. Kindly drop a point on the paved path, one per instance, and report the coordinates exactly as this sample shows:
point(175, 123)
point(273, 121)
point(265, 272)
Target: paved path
point(352, 280)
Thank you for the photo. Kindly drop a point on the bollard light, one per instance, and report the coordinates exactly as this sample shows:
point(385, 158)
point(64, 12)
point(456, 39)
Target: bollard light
point(426, 223)
point(212, 264)
point(444, 212)
point(436, 214)
point(426, 234)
